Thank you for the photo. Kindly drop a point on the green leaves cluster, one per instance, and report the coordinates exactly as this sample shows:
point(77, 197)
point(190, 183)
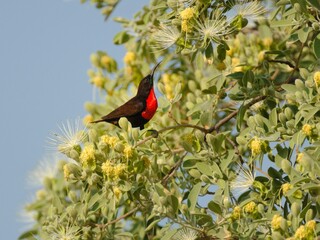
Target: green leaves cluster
point(233, 150)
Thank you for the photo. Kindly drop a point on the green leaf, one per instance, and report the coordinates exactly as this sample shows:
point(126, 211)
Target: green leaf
point(292, 191)
point(121, 38)
point(209, 52)
point(174, 203)
point(273, 117)
point(305, 209)
point(204, 168)
point(282, 23)
point(221, 49)
point(206, 118)
point(303, 34)
point(29, 234)
point(152, 224)
point(160, 189)
point(289, 87)
point(247, 77)
point(274, 173)
point(193, 196)
point(57, 203)
point(240, 116)
point(236, 75)
point(125, 234)
point(203, 219)
point(94, 199)
point(316, 46)
point(216, 170)
point(215, 207)
point(310, 186)
point(169, 234)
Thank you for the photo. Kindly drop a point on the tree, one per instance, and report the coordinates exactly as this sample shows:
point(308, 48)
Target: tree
point(233, 151)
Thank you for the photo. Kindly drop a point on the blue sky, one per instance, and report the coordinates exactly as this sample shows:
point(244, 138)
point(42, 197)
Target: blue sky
point(44, 56)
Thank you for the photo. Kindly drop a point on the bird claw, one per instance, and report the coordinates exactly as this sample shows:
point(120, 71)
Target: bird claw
point(154, 133)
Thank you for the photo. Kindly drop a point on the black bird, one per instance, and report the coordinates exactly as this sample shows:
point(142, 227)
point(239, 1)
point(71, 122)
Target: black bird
point(139, 109)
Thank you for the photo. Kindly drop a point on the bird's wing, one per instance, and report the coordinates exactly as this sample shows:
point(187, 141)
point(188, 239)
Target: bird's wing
point(130, 108)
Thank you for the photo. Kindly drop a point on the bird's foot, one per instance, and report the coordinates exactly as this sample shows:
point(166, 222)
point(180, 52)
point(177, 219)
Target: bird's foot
point(153, 133)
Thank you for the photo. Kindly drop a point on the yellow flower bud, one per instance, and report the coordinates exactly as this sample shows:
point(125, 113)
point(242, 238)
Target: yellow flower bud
point(129, 58)
point(221, 66)
point(301, 233)
point(276, 222)
point(261, 55)
point(41, 194)
point(299, 157)
point(98, 81)
point(187, 13)
point(66, 172)
point(286, 187)
point(105, 61)
point(109, 140)
point(87, 156)
point(267, 42)
point(185, 27)
point(256, 146)
point(128, 151)
point(236, 213)
point(230, 51)
point(117, 192)
point(307, 129)
point(107, 169)
point(87, 119)
point(235, 62)
point(250, 208)
point(119, 170)
point(316, 78)
point(311, 226)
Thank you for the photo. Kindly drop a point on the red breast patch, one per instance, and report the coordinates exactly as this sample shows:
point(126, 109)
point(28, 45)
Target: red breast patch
point(151, 106)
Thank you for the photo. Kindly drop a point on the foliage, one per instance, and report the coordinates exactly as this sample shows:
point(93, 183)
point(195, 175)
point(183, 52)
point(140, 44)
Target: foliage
point(233, 151)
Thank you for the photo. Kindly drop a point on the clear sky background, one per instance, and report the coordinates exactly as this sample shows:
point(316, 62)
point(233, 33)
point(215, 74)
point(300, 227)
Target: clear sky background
point(44, 56)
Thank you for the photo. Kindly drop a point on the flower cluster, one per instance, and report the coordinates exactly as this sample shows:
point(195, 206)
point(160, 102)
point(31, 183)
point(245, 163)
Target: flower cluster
point(87, 156)
point(306, 232)
point(103, 65)
point(236, 213)
point(316, 78)
point(307, 129)
point(113, 171)
point(276, 222)
point(256, 146)
point(109, 140)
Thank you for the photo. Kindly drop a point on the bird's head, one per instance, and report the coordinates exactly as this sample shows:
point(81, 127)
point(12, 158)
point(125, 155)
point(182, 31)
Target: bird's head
point(146, 83)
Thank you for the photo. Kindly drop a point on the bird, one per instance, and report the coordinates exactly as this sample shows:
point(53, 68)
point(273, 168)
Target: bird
point(139, 109)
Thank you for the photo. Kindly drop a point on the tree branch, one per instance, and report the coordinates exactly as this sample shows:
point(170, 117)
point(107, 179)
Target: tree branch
point(202, 129)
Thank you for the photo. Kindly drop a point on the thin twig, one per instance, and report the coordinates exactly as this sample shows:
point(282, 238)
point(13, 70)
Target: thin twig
point(262, 172)
point(183, 126)
point(172, 170)
point(233, 114)
point(236, 149)
point(119, 218)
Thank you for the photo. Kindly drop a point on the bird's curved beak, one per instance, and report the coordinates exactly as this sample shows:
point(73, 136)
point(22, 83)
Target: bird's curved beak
point(154, 69)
